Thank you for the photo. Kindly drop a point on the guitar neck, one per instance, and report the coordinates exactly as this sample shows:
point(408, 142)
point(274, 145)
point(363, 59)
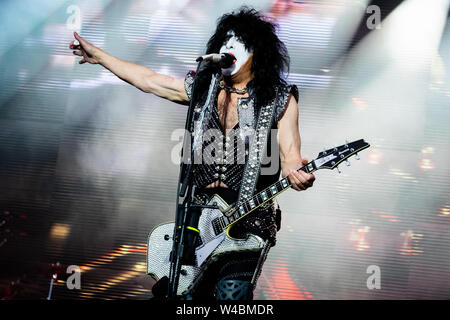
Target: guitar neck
point(328, 159)
point(273, 190)
point(247, 206)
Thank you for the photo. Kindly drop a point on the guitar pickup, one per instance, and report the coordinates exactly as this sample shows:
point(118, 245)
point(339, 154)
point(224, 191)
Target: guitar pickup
point(216, 226)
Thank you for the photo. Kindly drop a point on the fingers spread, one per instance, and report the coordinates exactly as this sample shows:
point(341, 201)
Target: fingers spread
point(78, 53)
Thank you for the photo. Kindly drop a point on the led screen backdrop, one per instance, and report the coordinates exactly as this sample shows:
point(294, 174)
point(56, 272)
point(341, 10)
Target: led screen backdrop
point(87, 161)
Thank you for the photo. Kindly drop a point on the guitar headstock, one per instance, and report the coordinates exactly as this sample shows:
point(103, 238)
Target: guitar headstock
point(331, 158)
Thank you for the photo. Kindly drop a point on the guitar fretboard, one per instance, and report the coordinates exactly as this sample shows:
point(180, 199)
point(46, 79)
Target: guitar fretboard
point(247, 206)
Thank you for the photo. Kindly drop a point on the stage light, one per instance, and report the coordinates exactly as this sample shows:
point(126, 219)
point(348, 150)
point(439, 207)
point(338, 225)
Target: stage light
point(445, 211)
point(383, 215)
point(426, 164)
point(428, 150)
point(60, 231)
point(410, 245)
point(375, 156)
point(415, 30)
point(361, 104)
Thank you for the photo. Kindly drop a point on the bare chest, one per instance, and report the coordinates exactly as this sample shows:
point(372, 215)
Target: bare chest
point(227, 108)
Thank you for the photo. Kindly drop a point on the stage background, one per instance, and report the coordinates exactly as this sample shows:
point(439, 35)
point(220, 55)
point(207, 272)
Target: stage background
point(86, 167)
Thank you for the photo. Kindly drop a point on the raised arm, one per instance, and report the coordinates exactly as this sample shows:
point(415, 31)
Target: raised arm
point(143, 78)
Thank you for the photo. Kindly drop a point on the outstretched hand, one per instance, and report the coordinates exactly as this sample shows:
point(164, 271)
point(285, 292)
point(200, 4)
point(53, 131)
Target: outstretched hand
point(301, 180)
point(85, 49)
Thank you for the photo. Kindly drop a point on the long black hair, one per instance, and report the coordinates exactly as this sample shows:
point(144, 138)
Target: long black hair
point(270, 55)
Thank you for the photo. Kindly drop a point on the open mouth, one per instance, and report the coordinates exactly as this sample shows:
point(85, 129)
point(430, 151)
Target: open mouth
point(233, 57)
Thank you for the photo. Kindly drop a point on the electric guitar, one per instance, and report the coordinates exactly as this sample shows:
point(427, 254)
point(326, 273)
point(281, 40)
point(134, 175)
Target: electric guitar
point(214, 224)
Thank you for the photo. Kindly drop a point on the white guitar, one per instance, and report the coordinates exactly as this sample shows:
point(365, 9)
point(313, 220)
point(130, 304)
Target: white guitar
point(214, 225)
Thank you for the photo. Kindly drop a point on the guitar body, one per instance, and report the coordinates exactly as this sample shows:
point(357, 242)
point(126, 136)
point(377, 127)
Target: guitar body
point(212, 244)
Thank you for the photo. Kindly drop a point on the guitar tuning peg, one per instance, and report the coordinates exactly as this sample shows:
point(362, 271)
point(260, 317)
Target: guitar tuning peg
point(347, 163)
point(357, 156)
point(338, 169)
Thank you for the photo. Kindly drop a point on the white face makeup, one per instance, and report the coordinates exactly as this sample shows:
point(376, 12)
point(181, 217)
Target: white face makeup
point(237, 48)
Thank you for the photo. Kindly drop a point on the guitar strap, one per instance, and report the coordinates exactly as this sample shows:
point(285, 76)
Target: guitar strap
point(257, 147)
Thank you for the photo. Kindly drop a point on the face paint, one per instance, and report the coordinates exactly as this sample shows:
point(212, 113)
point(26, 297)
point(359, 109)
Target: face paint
point(237, 48)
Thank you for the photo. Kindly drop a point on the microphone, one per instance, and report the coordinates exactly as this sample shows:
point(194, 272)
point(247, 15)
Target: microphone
point(224, 60)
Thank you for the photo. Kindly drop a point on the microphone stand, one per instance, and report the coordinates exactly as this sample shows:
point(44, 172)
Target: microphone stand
point(184, 183)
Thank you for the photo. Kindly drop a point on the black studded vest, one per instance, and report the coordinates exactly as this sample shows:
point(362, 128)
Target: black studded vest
point(222, 156)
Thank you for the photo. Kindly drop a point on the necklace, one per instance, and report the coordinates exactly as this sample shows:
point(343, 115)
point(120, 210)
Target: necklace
point(222, 85)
